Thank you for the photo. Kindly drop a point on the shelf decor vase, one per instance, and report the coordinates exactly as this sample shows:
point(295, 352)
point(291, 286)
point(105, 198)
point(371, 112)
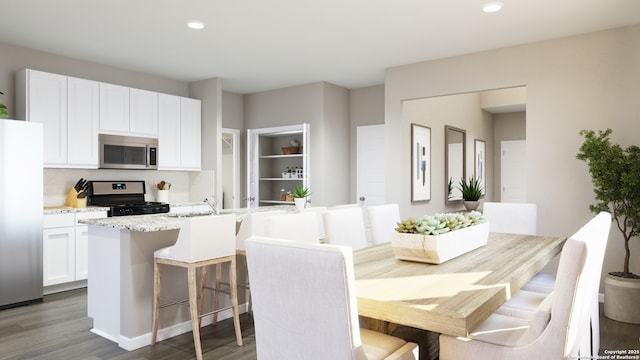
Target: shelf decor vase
point(436, 249)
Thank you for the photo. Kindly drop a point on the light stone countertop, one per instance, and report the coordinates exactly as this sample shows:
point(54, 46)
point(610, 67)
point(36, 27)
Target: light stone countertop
point(163, 222)
point(49, 210)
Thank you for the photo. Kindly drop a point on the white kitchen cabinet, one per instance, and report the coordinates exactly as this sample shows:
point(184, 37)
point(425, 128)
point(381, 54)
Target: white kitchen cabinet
point(114, 109)
point(65, 248)
point(82, 123)
point(266, 163)
point(68, 109)
point(42, 98)
point(179, 127)
point(190, 130)
point(143, 113)
point(58, 249)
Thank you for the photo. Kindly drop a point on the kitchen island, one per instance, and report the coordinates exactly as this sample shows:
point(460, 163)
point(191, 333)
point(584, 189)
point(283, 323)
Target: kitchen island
point(120, 284)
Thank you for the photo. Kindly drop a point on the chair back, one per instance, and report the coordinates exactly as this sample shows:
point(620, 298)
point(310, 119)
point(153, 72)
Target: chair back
point(304, 300)
point(514, 218)
point(319, 211)
point(295, 226)
point(596, 234)
point(253, 225)
point(383, 220)
point(204, 237)
point(345, 226)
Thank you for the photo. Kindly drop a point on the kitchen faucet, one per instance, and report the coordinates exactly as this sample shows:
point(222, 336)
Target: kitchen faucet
point(213, 204)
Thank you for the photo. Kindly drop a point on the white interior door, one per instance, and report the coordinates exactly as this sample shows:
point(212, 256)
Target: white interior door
point(513, 179)
point(370, 168)
point(370, 164)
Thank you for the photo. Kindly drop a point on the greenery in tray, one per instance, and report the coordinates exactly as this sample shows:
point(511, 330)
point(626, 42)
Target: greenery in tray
point(300, 192)
point(615, 173)
point(440, 223)
point(4, 113)
point(471, 190)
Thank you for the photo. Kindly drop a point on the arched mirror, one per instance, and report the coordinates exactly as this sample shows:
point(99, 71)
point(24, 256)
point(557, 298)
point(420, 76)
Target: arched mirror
point(455, 167)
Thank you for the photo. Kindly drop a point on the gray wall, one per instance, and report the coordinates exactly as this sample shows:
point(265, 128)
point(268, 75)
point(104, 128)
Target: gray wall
point(326, 108)
point(507, 126)
point(590, 81)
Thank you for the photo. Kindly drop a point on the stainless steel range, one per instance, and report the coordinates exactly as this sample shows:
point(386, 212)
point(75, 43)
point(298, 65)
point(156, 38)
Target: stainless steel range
point(123, 198)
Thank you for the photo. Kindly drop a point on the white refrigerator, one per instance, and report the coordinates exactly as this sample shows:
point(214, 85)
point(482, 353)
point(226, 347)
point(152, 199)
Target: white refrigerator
point(21, 212)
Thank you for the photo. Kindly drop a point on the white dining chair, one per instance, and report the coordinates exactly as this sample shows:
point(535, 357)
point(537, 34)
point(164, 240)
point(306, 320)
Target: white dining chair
point(302, 226)
point(252, 225)
point(553, 333)
point(523, 304)
point(383, 219)
point(305, 305)
point(345, 226)
point(513, 218)
point(319, 211)
point(202, 241)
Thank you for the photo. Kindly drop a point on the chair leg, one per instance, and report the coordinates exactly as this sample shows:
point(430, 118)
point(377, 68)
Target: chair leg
point(193, 306)
point(203, 279)
point(234, 300)
point(156, 301)
point(216, 292)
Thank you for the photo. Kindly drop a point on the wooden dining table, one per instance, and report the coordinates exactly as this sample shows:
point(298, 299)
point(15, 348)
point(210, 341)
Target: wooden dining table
point(453, 297)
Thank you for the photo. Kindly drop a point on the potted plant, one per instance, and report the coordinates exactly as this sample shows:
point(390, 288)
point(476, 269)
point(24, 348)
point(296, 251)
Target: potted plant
point(437, 238)
point(615, 173)
point(300, 194)
point(471, 192)
point(4, 113)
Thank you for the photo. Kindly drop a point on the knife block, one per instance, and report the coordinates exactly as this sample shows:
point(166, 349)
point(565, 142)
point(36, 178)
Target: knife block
point(73, 201)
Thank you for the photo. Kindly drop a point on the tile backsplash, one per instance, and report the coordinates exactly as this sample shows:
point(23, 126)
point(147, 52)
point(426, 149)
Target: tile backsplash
point(58, 182)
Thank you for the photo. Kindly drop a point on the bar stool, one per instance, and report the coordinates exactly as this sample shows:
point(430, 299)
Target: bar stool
point(202, 241)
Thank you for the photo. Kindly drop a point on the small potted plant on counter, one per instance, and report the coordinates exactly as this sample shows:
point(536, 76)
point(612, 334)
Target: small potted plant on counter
point(615, 173)
point(471, 192)
point(300, 194)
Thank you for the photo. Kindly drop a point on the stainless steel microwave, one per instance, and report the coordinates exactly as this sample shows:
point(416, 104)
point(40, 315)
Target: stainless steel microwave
point(128, 152)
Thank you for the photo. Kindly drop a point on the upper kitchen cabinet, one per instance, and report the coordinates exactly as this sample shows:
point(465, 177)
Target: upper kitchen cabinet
point(68, 109)
point(82, 122)
point(143, 112)
point(114, 109)
point(277, 161)
point(179, 143)
point(128, 111)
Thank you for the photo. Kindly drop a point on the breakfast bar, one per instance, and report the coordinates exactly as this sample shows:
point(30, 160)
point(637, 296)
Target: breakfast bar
point(120, 284)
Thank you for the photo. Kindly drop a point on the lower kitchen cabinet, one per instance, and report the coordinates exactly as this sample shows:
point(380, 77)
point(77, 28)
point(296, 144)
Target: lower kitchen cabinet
point(65, 249)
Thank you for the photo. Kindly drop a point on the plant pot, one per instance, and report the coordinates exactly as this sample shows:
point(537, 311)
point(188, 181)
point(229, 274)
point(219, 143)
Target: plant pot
point(621, 299)
point(436, 249)
point(299, 203)
point(471, 205)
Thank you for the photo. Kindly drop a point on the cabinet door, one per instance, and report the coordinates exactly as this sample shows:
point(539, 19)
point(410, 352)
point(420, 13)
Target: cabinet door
point(114, 108)
point(82, 123)
point(143, 113)
point(58, 255)
point(47, 104)
point(190, 134)
point(82, 252)
point(168, 132)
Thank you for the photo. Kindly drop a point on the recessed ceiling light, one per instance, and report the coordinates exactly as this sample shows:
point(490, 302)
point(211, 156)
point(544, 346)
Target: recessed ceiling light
point(492, 7)
point(196, 25)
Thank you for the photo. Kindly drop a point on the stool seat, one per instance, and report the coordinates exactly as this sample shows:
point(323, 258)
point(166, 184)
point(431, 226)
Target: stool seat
point(202, 241)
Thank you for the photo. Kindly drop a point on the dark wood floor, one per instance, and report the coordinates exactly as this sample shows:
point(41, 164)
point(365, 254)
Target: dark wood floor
point(58, 328)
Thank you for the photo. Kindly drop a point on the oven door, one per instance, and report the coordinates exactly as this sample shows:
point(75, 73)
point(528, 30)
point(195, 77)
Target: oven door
point(123, 152)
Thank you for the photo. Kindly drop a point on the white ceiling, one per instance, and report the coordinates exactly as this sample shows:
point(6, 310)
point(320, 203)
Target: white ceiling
point(256, 45)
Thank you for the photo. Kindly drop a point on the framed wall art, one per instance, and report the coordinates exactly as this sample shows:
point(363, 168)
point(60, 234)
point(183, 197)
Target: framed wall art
point(480, 163)
point(420, 163)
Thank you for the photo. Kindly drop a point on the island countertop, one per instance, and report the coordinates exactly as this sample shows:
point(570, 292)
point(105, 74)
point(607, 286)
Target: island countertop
point(169, 221)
